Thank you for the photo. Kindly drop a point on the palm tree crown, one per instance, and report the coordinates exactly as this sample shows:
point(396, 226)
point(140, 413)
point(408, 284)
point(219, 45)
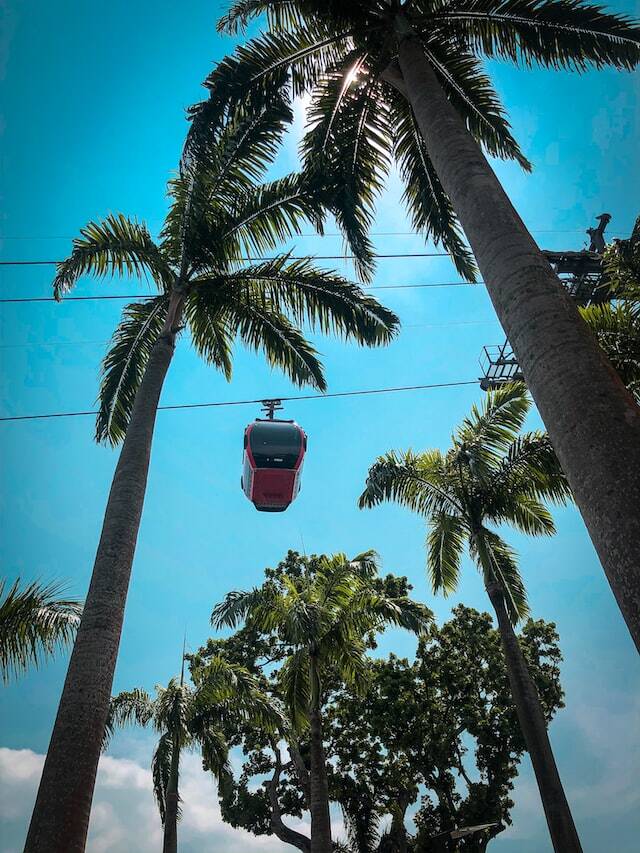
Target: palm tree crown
point(491, 475)
point(186, 718)
point(345, 54)
point(324, 618)
point(217, 215)
point(34, 621)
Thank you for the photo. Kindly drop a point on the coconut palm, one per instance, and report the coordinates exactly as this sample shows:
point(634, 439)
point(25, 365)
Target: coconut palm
point(216, 216)
point(491, 475)
point(325, 619)
point(403, 80)
point(36, 620)
point(191, 718)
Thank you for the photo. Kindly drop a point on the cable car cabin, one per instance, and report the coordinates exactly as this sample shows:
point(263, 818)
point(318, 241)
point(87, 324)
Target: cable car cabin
point(272, 463)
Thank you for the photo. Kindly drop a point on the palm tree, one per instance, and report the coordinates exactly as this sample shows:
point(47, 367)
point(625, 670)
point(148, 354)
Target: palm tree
point(325, 620)
point(191, 718)
point(216, 215)
point(403, 80)
point(491, 475)
point(35, 621)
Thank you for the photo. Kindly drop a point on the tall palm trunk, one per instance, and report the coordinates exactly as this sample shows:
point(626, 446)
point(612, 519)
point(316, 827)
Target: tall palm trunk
point(60, 818)
point(170, 839)
point(318, 784)
point(592, 420)
point(319, 805)
point(534, 730)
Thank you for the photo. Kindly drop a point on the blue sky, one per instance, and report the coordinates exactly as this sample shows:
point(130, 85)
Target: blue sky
point(92, 122)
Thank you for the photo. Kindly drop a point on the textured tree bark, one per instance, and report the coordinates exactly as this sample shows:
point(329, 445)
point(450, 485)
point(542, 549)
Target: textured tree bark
point(564, 836)
point(319, 805)
point(60, 818)
point(170, 836)
point(592, 420)
point(279, 828)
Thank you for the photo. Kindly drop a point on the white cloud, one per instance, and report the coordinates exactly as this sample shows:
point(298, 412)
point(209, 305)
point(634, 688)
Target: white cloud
point(124, 815)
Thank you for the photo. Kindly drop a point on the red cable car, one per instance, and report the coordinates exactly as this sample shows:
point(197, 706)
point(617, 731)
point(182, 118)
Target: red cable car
point(272, 460)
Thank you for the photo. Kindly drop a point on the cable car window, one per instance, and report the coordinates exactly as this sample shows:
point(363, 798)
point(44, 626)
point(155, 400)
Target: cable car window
point(275, 445)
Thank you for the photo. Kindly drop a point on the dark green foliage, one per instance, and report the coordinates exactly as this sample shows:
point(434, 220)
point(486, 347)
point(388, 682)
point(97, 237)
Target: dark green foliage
point(617, 325)
point(445, 722)
point(35, 621)
point(323, 618)
point(225, 698)
point(344, 55)
point(438, 733)
point(492, 475)
point(216, 218)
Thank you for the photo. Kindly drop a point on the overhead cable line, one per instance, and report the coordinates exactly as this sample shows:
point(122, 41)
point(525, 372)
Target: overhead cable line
point(271, 258)
point(152, 296)
point(399, 389)
point(326, 234)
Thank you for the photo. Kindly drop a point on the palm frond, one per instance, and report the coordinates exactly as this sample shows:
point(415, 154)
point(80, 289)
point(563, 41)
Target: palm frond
point(160, 772)
point(348, 658)
point(362, 822)
point(417, 481)
point(235, 606)
point(262, 328)
point(498, 563)
point(529, 467)
point(35, 621)
point(296, 688)
point(324, 301)
point(445, 543)
point(117, 245)
point(236, 145)
point(470, 90)
point(264, 216)
point(494, 426)
point(617, 330)
point(261, 65)
point(569, 34)
point(281, 14)
point(215, 751)
point(528, 515)
point(133, 706)
point(429, 206)
point(124, 365)
point(346, 149)
point(209, 326)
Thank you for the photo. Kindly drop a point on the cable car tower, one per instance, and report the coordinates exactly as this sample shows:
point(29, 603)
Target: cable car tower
point(581, 274)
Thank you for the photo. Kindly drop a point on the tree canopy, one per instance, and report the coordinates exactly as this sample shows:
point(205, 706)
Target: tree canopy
point(432, 743)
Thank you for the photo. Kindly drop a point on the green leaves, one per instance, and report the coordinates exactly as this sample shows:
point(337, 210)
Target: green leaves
point(347, 149)
point(340, 53)
point(445, 543)
point(35, 621)
point(490, 475)
point(557, 33)
point(129, 707)
point(429, 206)
point(325, 620)
point(117, 245)
point(124, 365)
point(225, 695)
